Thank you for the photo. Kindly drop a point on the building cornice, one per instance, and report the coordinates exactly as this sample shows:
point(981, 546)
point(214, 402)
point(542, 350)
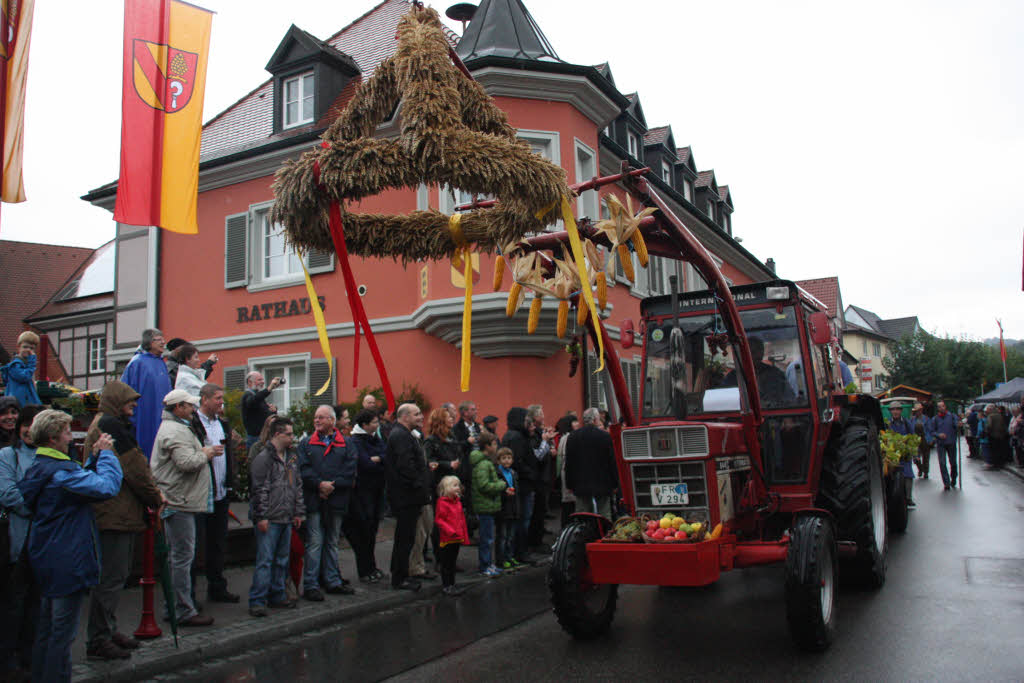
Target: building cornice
point(574, 89)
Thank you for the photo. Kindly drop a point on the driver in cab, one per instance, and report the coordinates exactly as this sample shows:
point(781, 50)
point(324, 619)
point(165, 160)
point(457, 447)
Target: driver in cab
point(775, 391)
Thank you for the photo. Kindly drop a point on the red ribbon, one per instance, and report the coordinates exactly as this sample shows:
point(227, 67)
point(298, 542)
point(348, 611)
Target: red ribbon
point(355, 303)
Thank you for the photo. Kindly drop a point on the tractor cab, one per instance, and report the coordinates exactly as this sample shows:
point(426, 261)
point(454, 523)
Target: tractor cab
point(693, 398)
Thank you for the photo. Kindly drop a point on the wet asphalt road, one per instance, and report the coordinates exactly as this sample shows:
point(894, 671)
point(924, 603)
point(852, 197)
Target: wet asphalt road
point(952, 609)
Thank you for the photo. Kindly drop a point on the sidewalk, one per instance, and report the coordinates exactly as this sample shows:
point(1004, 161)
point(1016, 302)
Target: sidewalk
point(234, 630)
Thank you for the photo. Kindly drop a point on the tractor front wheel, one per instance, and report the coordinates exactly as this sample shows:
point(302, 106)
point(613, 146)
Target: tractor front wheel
point(811, 581)
point(897, 501)
point(584, 609)
point(853, 490)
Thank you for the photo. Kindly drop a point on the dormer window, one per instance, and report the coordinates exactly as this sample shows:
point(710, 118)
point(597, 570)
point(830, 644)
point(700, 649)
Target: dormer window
point(634, 145)
point(711, 210)
point(666, 172)
point(688, 190)
point(298, 100)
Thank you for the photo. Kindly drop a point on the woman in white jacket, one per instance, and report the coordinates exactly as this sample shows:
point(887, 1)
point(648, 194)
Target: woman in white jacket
point(191, 373)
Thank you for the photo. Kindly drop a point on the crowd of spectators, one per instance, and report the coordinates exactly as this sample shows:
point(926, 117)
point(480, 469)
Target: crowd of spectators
point(159, 453)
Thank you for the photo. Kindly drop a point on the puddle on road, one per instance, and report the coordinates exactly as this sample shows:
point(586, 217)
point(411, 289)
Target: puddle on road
point(385, 644)
point(1006, 572)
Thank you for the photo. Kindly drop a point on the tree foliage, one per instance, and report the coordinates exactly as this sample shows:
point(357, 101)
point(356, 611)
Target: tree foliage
point(955, 368)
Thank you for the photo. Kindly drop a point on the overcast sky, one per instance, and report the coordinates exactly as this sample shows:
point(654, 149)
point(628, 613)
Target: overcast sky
point(880, 142)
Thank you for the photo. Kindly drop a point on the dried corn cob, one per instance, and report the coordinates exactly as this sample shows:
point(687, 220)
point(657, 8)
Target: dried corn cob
point(627, 262)
point(515, 297)
point(602, 290)
point(581, 312)
point(563, 318)
point(531, 323)
point(499, 271)
point(641, 248)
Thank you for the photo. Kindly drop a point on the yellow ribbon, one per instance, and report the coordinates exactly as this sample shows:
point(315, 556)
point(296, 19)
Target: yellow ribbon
point(321, 326)
point(455, 228)
point(581, 266)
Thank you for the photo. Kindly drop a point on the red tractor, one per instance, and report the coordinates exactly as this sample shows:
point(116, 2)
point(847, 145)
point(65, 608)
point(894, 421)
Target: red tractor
point(744, 422)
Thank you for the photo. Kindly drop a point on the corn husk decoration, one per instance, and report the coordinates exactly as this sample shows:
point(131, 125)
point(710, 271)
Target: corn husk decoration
point(623, 229)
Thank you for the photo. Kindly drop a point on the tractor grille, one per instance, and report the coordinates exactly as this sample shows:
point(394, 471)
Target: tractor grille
point(669, 442)
point(690, 473)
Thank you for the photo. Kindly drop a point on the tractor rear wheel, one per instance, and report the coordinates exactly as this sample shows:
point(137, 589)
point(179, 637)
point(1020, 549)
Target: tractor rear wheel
point(897, 502)
point(584, 609)
point(853, 490)
point(811, 581)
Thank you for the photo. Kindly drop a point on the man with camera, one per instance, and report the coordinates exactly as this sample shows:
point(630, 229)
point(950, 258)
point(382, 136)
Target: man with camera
point(255, 409)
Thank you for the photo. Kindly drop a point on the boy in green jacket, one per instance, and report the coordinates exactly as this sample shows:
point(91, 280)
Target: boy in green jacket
point(486, 496)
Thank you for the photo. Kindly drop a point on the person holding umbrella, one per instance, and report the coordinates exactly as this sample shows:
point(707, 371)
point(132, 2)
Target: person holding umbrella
point(62, 542)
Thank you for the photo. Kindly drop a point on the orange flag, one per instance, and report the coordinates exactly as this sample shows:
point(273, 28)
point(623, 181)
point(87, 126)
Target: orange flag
point(15, 36)
point(166, 45)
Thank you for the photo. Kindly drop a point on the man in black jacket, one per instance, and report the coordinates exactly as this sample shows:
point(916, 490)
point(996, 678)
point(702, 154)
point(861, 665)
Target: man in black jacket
point(255, 409)
point(543, 445)
point(408, 484)
point(328, 469)
point(527, 467)
point(212, 528)
point(590, 471)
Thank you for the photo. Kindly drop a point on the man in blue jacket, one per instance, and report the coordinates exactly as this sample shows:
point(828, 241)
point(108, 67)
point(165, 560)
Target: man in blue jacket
point(147, 374)
point(944, 432)
point(328, 471)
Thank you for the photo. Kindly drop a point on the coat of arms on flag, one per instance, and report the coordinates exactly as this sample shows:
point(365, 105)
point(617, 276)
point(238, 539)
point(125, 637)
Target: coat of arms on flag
point(163, 76)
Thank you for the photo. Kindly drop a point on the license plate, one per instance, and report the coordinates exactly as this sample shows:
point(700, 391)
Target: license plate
point(670, 494)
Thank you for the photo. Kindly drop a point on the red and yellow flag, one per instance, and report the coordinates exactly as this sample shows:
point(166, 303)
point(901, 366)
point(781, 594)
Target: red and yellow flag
point(15, 36)
point(166, 43)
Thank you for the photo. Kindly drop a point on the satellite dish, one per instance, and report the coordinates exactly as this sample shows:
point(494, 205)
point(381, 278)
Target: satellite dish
point(462, 11)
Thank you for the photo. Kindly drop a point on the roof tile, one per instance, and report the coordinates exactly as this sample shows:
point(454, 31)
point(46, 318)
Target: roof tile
point(825, 290)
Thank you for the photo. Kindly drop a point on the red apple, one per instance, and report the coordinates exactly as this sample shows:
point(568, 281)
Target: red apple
point(680, 535)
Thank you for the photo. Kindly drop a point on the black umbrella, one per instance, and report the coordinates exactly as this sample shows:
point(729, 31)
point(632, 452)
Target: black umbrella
point(160, 553)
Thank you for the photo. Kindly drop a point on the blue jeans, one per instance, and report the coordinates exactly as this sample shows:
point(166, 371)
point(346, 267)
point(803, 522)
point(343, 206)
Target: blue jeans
point(523, 529)
point(322, 549)
point(483, 548)
point(58, 626)
point(272, 549)
point(947, 452)
point(505, 545)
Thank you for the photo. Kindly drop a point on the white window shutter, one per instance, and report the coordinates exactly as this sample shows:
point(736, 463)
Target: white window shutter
point(236, 250)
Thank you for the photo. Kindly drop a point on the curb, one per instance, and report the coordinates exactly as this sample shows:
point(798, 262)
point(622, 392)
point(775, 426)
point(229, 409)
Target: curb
point(162, 657)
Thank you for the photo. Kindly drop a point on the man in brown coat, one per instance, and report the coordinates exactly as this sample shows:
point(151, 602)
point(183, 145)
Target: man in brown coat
point(118, 520)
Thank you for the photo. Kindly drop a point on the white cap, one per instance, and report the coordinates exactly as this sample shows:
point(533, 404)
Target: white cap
point(177, 396)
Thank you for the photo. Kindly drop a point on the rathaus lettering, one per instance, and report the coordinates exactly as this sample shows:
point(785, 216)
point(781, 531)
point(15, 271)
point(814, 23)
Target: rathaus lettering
point(277, 309)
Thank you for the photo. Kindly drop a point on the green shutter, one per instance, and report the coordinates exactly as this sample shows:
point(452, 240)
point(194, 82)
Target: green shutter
point(234, 378)
point(236, 250)
point(318, 374)
point(320, 261)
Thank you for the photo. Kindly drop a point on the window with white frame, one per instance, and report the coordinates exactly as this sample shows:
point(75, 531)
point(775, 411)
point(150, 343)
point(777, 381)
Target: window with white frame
point(586, 168)
point(97, 354)
point(687, 190)
point(726, 223)
point(877, 350)
point(295, 387)
point(297, 101)
point(634, 145)
point(666, 172)
point(865, 344)
point(710, 210)
point(276, 259)
point(657, 279)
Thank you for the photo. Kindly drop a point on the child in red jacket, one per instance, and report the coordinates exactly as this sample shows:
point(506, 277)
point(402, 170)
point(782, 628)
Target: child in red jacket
point(451, 522)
